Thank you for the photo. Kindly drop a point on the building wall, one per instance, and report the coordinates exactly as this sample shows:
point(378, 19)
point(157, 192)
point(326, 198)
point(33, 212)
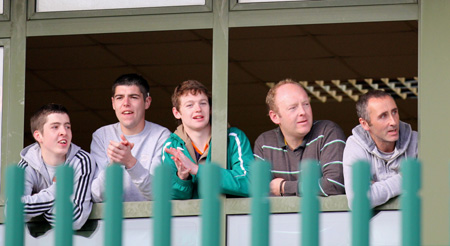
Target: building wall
point(19, 21)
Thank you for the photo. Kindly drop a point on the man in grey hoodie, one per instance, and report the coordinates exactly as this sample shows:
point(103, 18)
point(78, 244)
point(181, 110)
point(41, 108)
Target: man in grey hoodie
point(382, 140)
point(51, 129)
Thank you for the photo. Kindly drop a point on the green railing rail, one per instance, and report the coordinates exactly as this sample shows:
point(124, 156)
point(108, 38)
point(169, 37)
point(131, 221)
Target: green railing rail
point(162, 208)
point(310, 204)
point(14, 221)
point(260, 206)
point(210, 190)
point(361, 205)
point(114, 206)
point(63, 206)
point(410, 203)
point(211, 205)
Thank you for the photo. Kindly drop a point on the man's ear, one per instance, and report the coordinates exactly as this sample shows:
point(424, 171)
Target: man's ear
point(37, 136)
point(175, 113)
point(112, 103)
point(364, 124)
point(274, 117)
point(147, 102)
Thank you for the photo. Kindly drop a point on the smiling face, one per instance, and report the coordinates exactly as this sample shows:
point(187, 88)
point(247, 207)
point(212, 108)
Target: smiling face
point(55, 137)
point(194, 112)
point(129, 104)
point(293, 111)
point(384, 122)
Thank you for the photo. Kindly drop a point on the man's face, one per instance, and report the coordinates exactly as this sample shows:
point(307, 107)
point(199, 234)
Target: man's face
point(56, 136)
point(194, 111)
point(294, 113)
point(384, 122)
point(130, 105)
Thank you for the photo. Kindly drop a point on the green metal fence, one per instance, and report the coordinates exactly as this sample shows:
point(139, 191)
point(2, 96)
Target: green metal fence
point(211, 205)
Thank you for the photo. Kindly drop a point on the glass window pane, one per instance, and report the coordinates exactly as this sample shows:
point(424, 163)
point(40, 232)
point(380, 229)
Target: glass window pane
point(70, 5)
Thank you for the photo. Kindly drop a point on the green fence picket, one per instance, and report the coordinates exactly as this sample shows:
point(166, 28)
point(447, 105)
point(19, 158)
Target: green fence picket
point(209, 191)
point(410, 203)
point(64, 206)
point(113, 205)
point(260, 207)
point(162, 206)
point(361, 204)
point(309, 202)
point(14, 221)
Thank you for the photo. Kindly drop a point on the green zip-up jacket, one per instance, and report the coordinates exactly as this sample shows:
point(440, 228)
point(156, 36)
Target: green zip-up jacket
point(234, 179)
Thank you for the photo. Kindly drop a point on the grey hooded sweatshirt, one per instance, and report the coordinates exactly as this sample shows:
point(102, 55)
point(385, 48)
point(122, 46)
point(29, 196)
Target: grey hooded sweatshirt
point(385, 168)
point(40, 190)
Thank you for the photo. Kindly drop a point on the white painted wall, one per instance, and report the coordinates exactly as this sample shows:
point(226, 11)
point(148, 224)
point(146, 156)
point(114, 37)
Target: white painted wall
point(186, 232)
point(335, 230)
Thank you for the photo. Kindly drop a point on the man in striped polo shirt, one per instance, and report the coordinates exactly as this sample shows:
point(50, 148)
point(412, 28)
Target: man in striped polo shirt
point(298, 138)
point(382, 140)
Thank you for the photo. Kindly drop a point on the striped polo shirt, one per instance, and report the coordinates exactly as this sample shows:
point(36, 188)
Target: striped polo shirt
point(324, 143)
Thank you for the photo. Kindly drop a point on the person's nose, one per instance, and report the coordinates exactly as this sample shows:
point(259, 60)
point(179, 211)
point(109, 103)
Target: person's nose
point(62, 131)
point(301, 111)
point(197, 107)
point(392, 121)
point(126, 101)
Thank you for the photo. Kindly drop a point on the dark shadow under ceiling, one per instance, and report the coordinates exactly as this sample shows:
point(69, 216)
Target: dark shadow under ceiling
point(335, 62)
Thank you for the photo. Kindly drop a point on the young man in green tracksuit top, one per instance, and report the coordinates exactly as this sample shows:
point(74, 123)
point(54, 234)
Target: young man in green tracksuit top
point(188, 148)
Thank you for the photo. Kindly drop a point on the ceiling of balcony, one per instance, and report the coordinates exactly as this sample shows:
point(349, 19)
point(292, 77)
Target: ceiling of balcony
point(334, 62)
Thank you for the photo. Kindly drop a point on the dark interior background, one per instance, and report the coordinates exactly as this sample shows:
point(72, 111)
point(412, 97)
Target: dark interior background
point(336, 62)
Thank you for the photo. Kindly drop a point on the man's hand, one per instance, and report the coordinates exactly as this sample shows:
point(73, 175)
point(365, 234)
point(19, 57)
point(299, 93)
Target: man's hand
point(275, 186)
point(125, 142)
point(183, 163)
point(121, 152)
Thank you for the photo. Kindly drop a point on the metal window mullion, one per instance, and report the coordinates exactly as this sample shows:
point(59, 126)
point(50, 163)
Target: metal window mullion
point(220, 82)
point(220, 93)
point(13, 106)
point(6, 45)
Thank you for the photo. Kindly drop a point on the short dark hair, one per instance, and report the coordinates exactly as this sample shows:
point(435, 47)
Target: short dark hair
point(362, 103)
point(132, 79)
point(189, 86)
point(39, 118)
